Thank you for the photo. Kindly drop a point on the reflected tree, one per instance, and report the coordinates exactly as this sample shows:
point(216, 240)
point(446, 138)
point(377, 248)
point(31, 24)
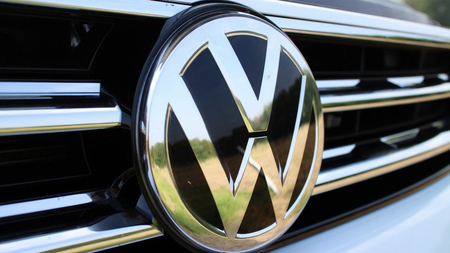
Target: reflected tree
point(435, 9)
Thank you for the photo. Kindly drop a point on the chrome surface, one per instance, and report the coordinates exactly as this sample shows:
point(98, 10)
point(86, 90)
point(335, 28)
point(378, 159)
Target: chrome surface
point(393, 140)
point(339, 151)
point(86, 239)
point(302, 18)
point(168, 93)
point(41, 120)
point(359, 171)
point(394, 35)
point(47, 89)
point(406, 81)
point(42, 205)
point(120, 182)
point(308, 19)
point(133, 7)
point(443, 77)
point(291, 17)
point(402, 82)
point(333, 103)
point(336, 84)
point(250, 105)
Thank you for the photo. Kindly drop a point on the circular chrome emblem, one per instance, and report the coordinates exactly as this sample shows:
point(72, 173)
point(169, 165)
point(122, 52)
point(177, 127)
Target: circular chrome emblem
point(229, 132)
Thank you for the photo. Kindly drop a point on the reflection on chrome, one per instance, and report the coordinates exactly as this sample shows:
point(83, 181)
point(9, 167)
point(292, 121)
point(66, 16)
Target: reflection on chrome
point(258, 168)
point(339, 151)
point(135, 7)
point(47, 89)
point(171, 105)
point(443, 77)
point(40, 120)
point(337, 84)
point(393, 140)
point(250, 105)
point(405, 34)
point(406, 81)
point(85, 239)
point(403, 82)
point(332, 103)
point(359, 171)
point(42, 205)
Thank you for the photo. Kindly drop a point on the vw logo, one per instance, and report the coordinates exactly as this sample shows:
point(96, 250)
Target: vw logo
point(229, 132)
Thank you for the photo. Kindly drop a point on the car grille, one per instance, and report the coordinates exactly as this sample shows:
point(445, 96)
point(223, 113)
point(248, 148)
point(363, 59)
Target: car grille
point(376, 114)
point(67, 82)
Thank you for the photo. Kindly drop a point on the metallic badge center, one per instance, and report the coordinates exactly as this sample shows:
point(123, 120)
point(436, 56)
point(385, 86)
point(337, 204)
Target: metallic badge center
point(233, 133)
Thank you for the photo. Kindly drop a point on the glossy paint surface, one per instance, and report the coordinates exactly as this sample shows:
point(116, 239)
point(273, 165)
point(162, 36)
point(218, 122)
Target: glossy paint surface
point(417, 223)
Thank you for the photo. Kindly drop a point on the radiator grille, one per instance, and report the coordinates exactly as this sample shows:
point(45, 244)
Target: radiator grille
point(69, 164)
point(382, 127)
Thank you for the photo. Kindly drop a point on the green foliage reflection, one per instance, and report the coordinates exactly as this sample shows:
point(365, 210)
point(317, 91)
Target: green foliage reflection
point(435, 9)
point(202, 148)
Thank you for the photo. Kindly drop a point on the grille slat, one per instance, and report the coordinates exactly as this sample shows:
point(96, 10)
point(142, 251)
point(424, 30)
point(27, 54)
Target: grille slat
point(96, 237)
point(337, 85)
point(362, 170)
point(35, 120)
point(28, 90)
point(35, 207)
point(341, 102)
point(381, 30)
point(366, 66)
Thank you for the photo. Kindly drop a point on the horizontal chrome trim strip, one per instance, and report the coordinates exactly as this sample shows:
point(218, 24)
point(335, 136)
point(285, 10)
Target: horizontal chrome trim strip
point(337, 84)
point(291, 17)
point(334, 16)
point(443, 77)
point(42, 205)
point(403, 82)
point(362, 33)
point(406, 81)
point(392, 140)
point(48, 89)
point(339, 151)
point(359, 171)
point(35, 120)
point(304, 18)
point(133, 7)
point(333, 103)
point(86, 239)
